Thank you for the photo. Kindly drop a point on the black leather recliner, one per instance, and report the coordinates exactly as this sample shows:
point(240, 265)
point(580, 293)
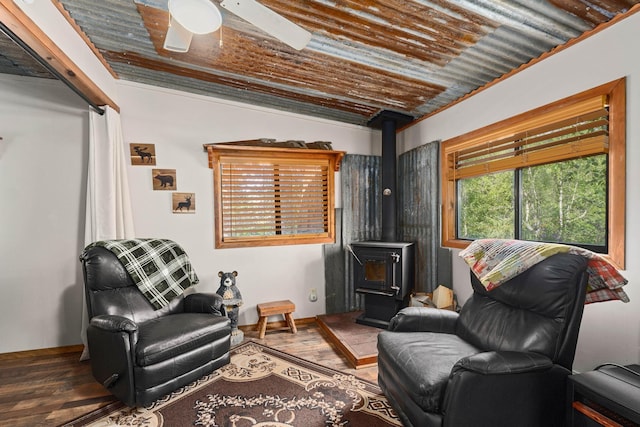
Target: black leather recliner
point(502, 361)
point(141, 354)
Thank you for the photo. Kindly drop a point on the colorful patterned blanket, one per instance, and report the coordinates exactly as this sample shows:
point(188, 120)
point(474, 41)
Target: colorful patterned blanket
point(495, 261)
point(159, 267)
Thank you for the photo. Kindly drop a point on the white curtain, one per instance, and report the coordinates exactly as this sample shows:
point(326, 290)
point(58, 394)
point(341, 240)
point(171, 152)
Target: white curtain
point(108, 209)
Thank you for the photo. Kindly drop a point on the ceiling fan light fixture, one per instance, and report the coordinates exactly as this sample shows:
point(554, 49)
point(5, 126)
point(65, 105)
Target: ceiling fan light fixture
point(178, 38)
point(197, 16)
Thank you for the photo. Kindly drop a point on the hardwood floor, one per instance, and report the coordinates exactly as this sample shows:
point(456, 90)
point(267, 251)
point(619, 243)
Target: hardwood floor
point(48, 388)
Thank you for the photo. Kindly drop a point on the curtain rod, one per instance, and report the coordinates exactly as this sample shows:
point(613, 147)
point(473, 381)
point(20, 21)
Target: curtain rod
point(49, 67)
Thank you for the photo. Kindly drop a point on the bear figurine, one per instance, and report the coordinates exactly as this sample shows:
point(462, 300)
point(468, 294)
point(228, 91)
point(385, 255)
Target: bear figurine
point(231, 298)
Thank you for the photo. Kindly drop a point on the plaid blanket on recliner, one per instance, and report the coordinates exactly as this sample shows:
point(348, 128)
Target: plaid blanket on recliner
point(159, 267)
point(495, 261)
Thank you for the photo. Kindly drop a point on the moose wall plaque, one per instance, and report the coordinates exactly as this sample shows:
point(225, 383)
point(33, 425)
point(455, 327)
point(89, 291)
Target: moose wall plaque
point(142, 154)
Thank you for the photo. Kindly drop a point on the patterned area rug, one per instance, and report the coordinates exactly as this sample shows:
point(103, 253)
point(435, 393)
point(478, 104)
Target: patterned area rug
point(260, 387)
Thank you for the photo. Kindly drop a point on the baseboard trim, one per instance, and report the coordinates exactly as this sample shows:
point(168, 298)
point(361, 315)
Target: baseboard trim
point(53, 351)
point(78, 348)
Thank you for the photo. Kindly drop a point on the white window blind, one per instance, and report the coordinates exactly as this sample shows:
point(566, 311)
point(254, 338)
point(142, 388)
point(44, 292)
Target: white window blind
point(266, 199)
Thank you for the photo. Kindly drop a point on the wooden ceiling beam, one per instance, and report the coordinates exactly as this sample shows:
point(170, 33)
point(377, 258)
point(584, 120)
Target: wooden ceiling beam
point(31, 35)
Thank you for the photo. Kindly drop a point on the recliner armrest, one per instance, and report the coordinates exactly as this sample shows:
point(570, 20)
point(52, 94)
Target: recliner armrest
point(419, 319)
point(204, 303)
point(112, 340)
point(112, 323)
point(503, 362)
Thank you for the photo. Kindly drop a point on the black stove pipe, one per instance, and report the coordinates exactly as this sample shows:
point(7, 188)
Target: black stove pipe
point(388, 180)
point(388, 122)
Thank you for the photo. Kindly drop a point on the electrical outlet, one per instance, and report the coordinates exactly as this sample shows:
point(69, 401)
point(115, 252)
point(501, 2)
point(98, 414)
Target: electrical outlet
point(313, 295)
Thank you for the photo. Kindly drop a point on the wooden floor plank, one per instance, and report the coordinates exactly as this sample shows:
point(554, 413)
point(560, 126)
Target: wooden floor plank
point(50, 387)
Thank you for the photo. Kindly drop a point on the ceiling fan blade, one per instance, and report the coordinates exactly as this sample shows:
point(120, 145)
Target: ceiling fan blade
point(269, 21)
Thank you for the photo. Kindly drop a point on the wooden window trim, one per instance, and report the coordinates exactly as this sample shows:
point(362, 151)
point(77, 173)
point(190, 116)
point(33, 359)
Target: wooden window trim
point(616, 93)
point(224, 153)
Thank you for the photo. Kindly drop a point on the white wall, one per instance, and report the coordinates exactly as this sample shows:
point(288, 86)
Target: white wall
point(610, 331)
point(179, 124)
point(42, 179)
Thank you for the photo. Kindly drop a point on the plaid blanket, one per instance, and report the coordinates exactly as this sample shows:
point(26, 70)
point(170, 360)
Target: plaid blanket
point(494, 261)
point(159, 267)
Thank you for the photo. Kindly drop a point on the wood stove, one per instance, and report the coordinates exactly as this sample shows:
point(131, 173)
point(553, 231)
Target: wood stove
point(384, 273)
point(384, 270)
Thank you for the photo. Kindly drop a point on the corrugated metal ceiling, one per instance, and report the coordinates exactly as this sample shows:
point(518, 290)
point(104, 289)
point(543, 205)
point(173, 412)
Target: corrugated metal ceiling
point(16, 61)
point(412, 57)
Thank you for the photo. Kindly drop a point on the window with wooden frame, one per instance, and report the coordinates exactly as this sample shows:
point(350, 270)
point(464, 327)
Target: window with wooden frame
point(553, 174)
point(268, 196)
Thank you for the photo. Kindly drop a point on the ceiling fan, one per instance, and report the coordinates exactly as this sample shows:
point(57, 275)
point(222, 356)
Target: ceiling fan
point(190, 17)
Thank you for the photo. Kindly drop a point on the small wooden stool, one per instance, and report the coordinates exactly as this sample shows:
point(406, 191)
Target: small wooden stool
point(267, 309)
